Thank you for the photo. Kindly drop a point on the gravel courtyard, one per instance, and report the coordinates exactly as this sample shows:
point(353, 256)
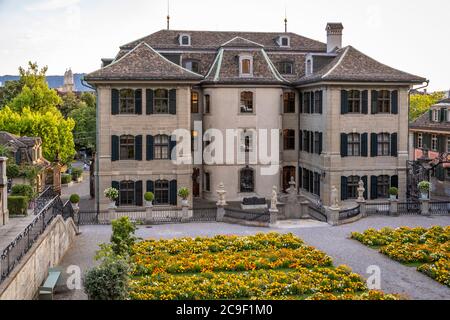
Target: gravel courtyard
point(395, 277)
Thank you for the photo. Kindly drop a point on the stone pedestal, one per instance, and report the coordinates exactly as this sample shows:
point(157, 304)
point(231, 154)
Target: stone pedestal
point(425, 207)
point(149, 215)
point(362, 207)
point(333, 215)
point(184, 213)
point(273, 216)
point(393, 207)
point(304, 210)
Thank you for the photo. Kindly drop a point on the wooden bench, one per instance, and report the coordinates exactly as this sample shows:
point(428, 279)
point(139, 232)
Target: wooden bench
point(47, 289)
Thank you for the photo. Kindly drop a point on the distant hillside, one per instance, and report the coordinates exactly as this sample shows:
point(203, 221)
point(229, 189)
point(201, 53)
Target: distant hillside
point(53, 81)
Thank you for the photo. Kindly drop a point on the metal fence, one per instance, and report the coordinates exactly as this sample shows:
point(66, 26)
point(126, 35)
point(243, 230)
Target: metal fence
point(349, 213)
point(380, 208)
point(440, 208)
point(409, 208)
point(43, 199)
point(234, 213)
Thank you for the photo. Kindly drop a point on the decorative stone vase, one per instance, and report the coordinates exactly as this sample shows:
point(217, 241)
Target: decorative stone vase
point(393, 197)
point(424, 195)
point(149, 204)
point(75, 206)
point(184, 202)
point(112, 204)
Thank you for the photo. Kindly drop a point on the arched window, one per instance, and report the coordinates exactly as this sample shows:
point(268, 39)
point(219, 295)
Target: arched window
point(161, 101)
point(246, 102)
point(161, 147)
point(245, 66)
point(126, 193)
point(126, 101)
point(161, 192)
point(185, 40)
point(247, 180)
point(309, 67)
point(127, 147)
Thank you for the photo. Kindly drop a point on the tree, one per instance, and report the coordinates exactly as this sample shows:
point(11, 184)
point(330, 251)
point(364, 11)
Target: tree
point(70, 102)
point(85, 125)
point(421, 103)
point(9, 92)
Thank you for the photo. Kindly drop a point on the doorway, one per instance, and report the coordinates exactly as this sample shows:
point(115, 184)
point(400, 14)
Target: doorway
point(196, 183)
point(288, 172)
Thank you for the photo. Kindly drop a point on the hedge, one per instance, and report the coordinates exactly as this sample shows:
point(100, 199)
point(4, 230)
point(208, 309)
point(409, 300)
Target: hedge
point(23, 190)
point(17, 205)
point(66, 178)
point(76, 173)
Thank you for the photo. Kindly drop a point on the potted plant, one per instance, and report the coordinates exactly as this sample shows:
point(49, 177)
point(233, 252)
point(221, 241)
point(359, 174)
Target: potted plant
point(183, 193)
point(149, 196)
point(393, 193)
point(74, 200)
point(424, 187)
point(112, 194)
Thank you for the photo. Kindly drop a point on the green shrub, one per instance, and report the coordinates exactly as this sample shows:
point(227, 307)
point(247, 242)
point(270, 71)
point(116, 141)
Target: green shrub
point(74, 198)
point(76, 173)
point(183, 193)
point(122, 238)
point(22, 190)
point(149, 196)
point(17, 205)
point(12, 170)
point(66, 178)
point(393, 191)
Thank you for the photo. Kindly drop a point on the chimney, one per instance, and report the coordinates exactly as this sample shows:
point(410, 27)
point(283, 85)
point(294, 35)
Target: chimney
point(334, 36)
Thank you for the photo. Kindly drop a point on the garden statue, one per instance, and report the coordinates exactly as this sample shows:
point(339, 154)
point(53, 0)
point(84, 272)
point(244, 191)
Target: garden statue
point(291, 189)
point(221, 195)
point(334, 198)
point(361, 191)
point(274, 199)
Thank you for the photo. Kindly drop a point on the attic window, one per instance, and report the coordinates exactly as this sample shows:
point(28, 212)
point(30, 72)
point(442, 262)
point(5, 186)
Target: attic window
point(286, 67)
point(185, 40)
point(309, 66)
point(191, 65)
point(245, 66)
point(284, 41)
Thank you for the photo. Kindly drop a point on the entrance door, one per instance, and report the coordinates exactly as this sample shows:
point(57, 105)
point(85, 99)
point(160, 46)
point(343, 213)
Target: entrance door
point(288, 172)
point(195, 183)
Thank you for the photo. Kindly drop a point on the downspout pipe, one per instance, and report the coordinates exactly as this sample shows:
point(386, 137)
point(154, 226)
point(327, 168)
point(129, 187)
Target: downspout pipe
point(409, 109)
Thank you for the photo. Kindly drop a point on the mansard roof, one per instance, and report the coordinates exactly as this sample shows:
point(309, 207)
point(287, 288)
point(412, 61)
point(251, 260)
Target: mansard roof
point(142, 63)
point(353, 65)
point(424, 123)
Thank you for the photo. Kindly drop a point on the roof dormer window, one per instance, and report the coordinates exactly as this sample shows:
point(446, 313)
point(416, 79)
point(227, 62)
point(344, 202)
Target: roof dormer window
point(284, 41)
point(309, 66)
point(185, 40)
point(246, 66)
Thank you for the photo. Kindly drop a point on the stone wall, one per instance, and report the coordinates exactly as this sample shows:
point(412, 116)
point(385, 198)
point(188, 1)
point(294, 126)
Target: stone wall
point(23, 283)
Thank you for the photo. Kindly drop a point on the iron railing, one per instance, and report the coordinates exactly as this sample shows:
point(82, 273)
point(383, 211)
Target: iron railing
point(349, 213)
point(43, 199)
point(245, 215)
point(440, 207)
point(380, 208)
point(409, 208)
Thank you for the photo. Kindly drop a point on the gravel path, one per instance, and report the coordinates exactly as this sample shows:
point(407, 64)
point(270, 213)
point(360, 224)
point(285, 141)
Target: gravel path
point(395, 277)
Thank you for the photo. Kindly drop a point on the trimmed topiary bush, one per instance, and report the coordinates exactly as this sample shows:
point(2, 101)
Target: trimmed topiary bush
point(22, 190)
point(66, 178)
point(17, 205)
point(74, 198)
point(149, 196)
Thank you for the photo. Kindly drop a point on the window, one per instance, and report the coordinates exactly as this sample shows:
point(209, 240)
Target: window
point(317, 146)
point(194, 140)
point(316, 184)
point(306, 102)
point(161, 192)
point(246, 180)
point(354, 101)
point(194, 102)
point(306, 141)
point(126, 194)
point(318, 102)
point(161, 147)
point(192, 65)
point(383, 144)
point(434, 141)
point(289, 102)
point(185, 40)
point(289, 139)
point(286, 67)
point(246, 68)
point(246, 102)
point(126, 147)
point(247, 141)
point(353, 145)
point(352, 187)
point(126, 101)
point(207, 181)
point(309, 67)
point(382, 186)
point(384, 102)
point(284, 41)
point(420, 140)
point(161, 101)
point(207, 103)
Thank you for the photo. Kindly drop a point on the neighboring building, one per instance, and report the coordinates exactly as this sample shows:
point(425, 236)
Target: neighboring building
point(28, 151)
point(431, 132)
point(4, 214)
point(343, 116)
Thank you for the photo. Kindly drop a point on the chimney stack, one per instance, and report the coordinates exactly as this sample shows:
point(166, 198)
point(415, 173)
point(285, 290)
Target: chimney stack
point(334, 36)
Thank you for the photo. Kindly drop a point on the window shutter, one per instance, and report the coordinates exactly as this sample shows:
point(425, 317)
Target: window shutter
point(344, 145)
point(138, 196)
point(430, 113)
point(149, 101)
point(373, 145)
point(321, 102)
point(344, 101)
point(149, 147)
point(366, 186)
point(300, 140)
point(312, 102)
point(138, 101)
point(344, 182)
point(114, 101)
point(394, 181)
point(138, 148)
point(311, 142)
point(416, 139)
point(427, 140)
point(320, 143)
point(173, 101)
point(173, 192)
point(374, 101)
point(114, 148)
point(18, 156)
point(116, 185)
point(300, 102)
point(443, 115)
point(394, 144)
point(394, 102)
point(364, 145)
point(311, 182)
point(442, 143)
point(300, 177)
point(365, 102)
point(150, 186)
point(440, 173)
point(172, 145)
point(373, 188)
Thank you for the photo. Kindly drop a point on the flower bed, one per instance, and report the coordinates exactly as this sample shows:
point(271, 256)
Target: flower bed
point(428, 247)
point(264, 266)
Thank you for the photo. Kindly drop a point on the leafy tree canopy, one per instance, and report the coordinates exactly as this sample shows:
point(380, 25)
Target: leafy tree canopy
point(421, 103)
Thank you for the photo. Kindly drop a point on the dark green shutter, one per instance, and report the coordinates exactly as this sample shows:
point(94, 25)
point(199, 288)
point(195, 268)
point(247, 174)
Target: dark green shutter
point(373, 188)
point(300, 177)
point(138, 101)
point(344, 101)
point(300, 102)
point(300, 140)
point(149, 101)
point(116, 185)
point(427, 141)
point(150, 186)
point(311, 142)
point(173, 192)
point(311, 182)
point(364, 145)
point(366, 186)
point(149, 147)
point(374, 105)
point(365, 102)
point(344, 145)
point(138, 148)
point(443, 115)
point(394, 102)
point(442, 143)
point(312, 103)
point(394, 143)
point(138, 195)
point(173, 101)
point(430, 114)
point(344, 194)
point(321, 102)
point(18, 156)
point(320, 143)
point(394, 181)
point(114, 148)
point(373, 145)
point(416, 140)
point(114, 101)
point(172, 145)
point(440, 173)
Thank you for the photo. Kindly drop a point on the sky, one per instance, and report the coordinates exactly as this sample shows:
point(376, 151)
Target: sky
point(410, 35)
